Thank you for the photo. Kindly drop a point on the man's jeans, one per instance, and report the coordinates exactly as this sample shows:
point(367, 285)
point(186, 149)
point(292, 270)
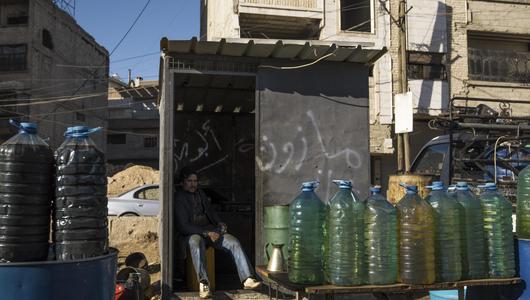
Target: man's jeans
point(228, 243)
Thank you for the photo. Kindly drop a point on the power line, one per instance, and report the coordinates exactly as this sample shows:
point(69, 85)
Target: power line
point(130, 28)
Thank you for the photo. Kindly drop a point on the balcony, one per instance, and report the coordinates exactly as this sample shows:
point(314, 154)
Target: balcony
point(499, 65)
point(280, 19)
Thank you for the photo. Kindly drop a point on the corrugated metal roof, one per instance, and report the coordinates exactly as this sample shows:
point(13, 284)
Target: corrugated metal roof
point(276, 49)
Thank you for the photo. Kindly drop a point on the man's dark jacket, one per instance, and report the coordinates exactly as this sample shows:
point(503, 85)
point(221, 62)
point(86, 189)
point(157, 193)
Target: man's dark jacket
point(184, 226)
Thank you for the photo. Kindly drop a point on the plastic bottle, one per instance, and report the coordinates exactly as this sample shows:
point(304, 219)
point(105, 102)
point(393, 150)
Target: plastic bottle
point(345, 231)
point(416, 238)
point(447, 233)
point(306, 237)
point(474, 262)
point(80, 208)
point(523, 204)
point(26, 176)
point(380, 238)
point(498, 232)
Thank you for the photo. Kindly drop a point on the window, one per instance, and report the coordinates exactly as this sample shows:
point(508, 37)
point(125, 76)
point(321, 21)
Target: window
point(356, 15)
point(116, 139)
point(150, 193)
point(431, 160)
point(17, 20)
point(47, 39)
point(79, 117)
point(425, 65)
point(499, 60)
point(150, 142)
point(13, 57)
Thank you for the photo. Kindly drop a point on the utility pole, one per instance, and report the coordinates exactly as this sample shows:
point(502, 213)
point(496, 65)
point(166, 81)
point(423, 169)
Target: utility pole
point(403, 139)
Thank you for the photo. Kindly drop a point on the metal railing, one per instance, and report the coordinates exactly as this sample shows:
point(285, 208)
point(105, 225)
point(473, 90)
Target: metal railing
point(499, 65)
point(302, 4)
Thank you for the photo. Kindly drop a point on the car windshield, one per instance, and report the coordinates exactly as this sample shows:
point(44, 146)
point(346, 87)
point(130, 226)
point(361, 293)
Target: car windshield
point(430, 161)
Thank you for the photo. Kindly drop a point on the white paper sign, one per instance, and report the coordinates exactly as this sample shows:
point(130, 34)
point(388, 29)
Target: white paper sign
point(403, 112)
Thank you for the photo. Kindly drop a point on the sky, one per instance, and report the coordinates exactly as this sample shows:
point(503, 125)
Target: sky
point(108, 20)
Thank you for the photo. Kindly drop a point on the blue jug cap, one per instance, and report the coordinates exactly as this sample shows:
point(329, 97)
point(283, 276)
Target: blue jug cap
point(490, 186)
point(24, 127)
point(376, 189)
point(309, 186)
point(462, 186)
point(69, 131)
point(343, 184)
point(83, 131)
point(436, 186)
point(411, 189)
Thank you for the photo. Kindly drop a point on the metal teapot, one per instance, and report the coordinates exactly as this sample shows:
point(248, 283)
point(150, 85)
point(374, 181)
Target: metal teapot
point(276, 261)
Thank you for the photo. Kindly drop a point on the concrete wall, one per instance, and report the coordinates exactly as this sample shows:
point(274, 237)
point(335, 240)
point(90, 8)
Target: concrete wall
point(52, 72)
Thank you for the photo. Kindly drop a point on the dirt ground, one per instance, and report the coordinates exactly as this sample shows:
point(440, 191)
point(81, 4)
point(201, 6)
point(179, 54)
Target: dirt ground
point(137, 234)
point(130, 178)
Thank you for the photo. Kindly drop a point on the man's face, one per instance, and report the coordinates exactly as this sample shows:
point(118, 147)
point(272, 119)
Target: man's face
point(190, 183)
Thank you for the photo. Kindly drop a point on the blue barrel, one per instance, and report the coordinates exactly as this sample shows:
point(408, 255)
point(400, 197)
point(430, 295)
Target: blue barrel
point(524, 266)
point(444, 295)
point(86, 279)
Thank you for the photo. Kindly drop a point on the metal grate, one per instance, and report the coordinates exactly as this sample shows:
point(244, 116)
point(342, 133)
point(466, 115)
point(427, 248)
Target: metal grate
point(499, 65)
point(212, 66)
point(303, 4)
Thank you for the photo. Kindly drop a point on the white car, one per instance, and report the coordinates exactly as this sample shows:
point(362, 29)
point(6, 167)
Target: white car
point(140, 201)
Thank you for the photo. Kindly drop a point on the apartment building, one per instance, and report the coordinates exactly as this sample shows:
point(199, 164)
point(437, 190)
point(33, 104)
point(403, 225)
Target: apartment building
point(489, 50)
point(45, 56)
point(133, 123)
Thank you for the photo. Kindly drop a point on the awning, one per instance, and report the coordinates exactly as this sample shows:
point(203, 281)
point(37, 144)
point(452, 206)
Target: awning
point(276, 49)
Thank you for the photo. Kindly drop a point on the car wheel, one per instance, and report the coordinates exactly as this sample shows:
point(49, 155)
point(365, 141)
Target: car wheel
point(129, 214)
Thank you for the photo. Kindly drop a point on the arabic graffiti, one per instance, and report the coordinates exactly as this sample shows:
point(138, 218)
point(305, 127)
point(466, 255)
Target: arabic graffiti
point(306, 147)
point(203, 145)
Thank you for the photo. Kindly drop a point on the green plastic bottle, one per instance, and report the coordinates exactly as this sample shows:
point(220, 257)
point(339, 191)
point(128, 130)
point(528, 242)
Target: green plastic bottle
point(345, 234)
point(498, 232)
point(474, 261)
point(416, 238)
point(523, 204)
point(380, 239)
point(306, 237)
point(447, 233)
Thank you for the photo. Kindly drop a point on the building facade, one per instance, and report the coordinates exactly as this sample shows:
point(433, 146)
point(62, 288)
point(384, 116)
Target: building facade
point(454, 48)
point(133, 124)
point(52, 72)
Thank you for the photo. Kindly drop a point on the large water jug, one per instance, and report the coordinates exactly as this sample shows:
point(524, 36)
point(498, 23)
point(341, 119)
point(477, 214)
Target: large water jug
point(380, 239)
point(447, 233)
point(306, 237)
point(416, 238)
point(345, 230)
point(80, 208)
point(474, 262)
point(498, 232)
point(523, 204)
point(26, 180)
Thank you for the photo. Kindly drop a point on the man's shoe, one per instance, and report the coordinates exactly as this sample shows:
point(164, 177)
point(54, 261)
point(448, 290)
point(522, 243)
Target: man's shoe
point(251, 283)
point(204, 291)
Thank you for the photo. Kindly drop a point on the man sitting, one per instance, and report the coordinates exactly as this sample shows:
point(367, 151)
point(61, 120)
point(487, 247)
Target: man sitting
point(199, 227)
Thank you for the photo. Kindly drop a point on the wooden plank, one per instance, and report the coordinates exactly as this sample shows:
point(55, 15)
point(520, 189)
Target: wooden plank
point(282, 280)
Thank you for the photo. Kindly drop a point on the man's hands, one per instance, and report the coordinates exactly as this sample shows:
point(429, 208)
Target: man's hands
point(214, 236)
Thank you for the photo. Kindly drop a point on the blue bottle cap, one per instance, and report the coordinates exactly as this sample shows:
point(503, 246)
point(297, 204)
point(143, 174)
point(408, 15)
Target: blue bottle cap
point(309, 186)
point(376, 189)
point(462, 186)
point(411, 189)
point(436, 186)
point(24, 127)
point(83, 131)
point(343, 184)
point(490, 186)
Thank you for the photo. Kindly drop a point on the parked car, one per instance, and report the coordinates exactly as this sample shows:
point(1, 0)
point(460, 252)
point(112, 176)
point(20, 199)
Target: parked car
point(140, 201)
